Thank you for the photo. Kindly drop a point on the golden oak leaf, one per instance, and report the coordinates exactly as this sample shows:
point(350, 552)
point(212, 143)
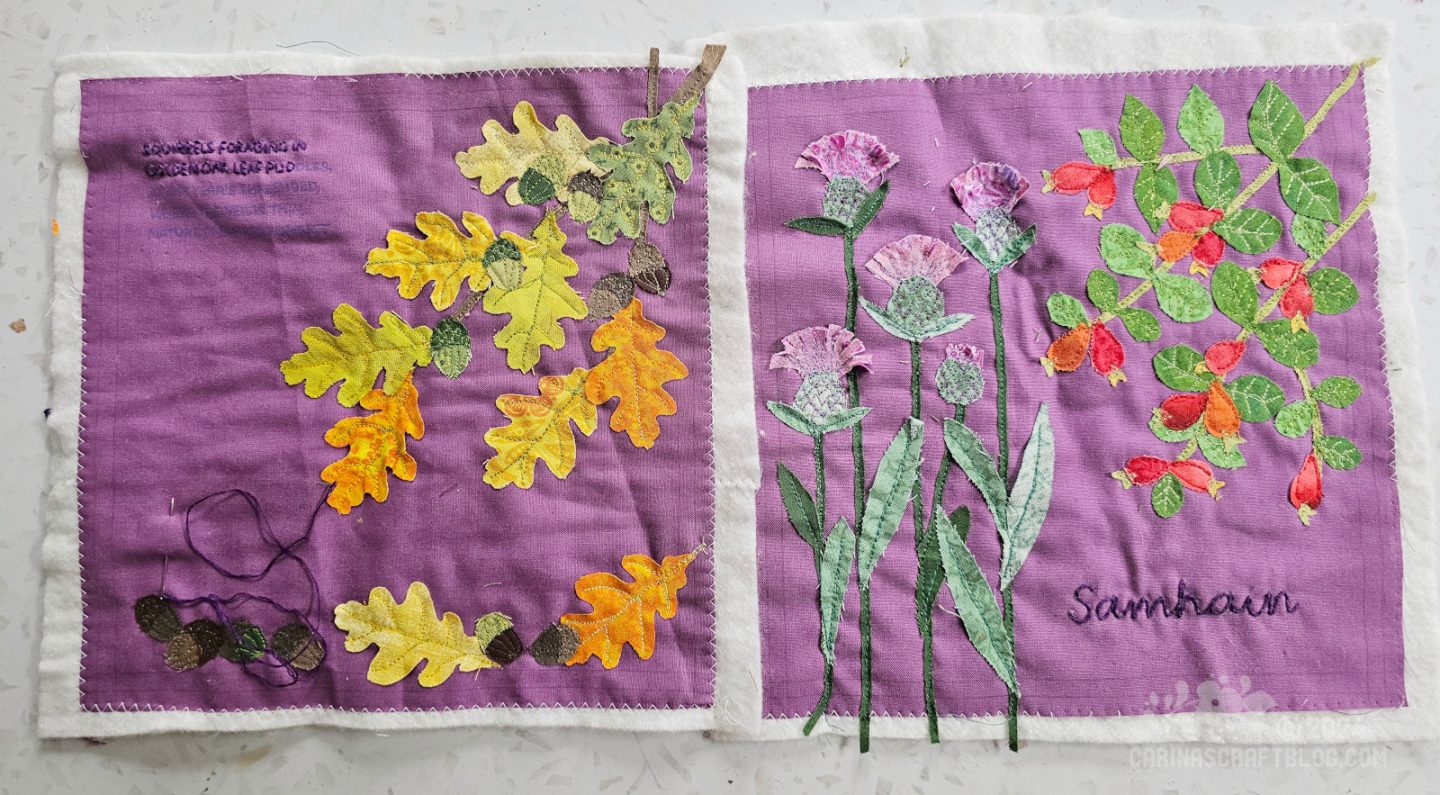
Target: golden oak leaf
point(538, 302)
point(357, 354)
point(408, 634)
point(636, 372)
point(624, 612)
point(557, 155)
point(445, 257)
point(377, 443)
point(539, 429)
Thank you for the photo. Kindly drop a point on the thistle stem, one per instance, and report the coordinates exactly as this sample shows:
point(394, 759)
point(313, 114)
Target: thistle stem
point(917, 504)
point(829, 681)
point(1002, 465)
point(924, 612)
point(857, 453)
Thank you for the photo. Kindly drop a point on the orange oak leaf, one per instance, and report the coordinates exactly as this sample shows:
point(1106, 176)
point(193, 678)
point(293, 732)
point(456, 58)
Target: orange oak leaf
point(635, 372)
point(624, 612)
point(377, 443)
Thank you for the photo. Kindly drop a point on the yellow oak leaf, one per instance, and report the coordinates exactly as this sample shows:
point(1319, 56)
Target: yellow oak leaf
point(554, 155)
point(636, 372)
point(357, 354)
point(538, 302)
point(624, 612)
point(445, 257)
point(539, 429)
point(377, 443)
point(408, 634)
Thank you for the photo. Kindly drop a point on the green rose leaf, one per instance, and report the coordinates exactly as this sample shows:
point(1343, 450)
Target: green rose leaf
point(1338, 452)
point(1276, 126)
point(1099, 147)
point(1155, 191)
point(1309, 234)
point(1338, 391)
point(1168, 496)
point(1257, 397)
point(1125, 251)
point(1141, 324)
point(1141, 130)
point(1218, 454)
point(1295, 419)
point(1287, 346)
point(1235, 295)
point(1334, 291)
point(1175, 367)
point(1249, 230)
point(1103, 290)
point(1201, 124)
point(1309, 189)
point(1182, 298)
point(1217, 179)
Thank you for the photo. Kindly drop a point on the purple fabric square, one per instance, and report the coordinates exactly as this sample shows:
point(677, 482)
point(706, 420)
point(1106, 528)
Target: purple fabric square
point(1343, 647)
point(197, 287)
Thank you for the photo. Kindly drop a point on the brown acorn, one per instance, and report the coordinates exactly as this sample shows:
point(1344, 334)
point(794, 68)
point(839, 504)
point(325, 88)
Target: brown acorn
point(556, 645)
point(157, 617)
point(296, 645)
point(506, 647)
point(648, 268)
point(612, 293)
point(589, 184)
point(198, 643)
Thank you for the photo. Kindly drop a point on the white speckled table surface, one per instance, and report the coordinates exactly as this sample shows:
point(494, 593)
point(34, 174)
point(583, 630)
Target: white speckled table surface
point(34, 32)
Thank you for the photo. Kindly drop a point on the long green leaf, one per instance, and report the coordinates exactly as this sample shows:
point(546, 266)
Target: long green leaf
point(791, 416)
point(834, 582)
point(798, 506)
point(890, 492)
point(1030, 496)
point(970, 453)
point(818, 225)
point(975, 603)
point(975, 246)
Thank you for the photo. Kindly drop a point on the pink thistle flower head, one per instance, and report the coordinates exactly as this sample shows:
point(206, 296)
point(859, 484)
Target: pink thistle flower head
point(915, 255)
point(989, 186)
point(965, 354)
point(849, 153)
point(821, 349)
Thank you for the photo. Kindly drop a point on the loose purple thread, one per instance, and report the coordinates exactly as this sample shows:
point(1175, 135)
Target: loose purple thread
point(223, 605)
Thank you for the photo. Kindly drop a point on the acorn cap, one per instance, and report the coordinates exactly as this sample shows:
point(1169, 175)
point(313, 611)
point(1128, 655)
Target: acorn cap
point(555, 645)
point(648, 267)
point(157, 617)
point(298, 646)
point(612, 293)
point(198, 643)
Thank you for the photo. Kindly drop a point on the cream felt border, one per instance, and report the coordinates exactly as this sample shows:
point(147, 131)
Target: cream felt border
point(60, 713)
point(977, 45)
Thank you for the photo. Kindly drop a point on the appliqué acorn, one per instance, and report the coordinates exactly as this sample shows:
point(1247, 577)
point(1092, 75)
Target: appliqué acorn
point(610, 294)
point(648, 268)
point(555, 645)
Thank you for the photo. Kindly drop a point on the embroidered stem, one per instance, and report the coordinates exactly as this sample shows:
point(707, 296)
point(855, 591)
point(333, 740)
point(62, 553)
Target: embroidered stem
point(917, 503)
point(864, 668)
point(1180, 157)
point(924, 612)
point(471, 301)
point(1317, 427)
point(829, 681)
point(857, 452)
point(1002, 465)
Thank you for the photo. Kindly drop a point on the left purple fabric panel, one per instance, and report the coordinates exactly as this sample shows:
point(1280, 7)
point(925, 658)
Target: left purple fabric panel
point(198, 284)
